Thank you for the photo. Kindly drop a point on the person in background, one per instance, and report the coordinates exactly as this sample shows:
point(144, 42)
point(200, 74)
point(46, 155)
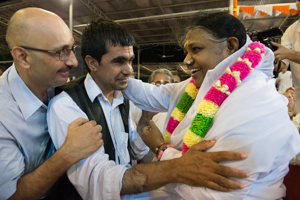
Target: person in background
point(42, 48)
point(107, 50)
point(157, 77)
point(291, 104)
point(284, 80)
point(177, 78)
point(250, 118)
point(289, 53)
point(291, 90)
point(141, 118)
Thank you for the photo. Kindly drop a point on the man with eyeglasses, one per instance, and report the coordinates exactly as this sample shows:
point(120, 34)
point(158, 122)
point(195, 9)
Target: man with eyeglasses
point(42, 47)
point(107, 50)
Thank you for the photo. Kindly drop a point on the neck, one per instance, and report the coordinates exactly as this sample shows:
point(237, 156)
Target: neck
point(109, 95)
point(107, 91)
point(40, 91)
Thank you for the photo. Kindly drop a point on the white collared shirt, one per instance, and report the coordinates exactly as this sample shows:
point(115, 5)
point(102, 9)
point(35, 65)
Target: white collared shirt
point(96, 177)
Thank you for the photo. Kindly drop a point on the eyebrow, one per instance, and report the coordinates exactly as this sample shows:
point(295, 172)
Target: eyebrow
point(118, 58)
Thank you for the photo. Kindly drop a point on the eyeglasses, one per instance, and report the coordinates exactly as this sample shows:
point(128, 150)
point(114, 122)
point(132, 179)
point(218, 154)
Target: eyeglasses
point(63, 53)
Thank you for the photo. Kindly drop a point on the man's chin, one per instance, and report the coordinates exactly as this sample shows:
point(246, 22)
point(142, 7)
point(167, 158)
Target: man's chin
point(60, 81)
point(122, 87)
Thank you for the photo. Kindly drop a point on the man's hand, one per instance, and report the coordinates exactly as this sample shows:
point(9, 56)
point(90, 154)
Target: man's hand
point(282, 52)
point(84, 137)
point(152, 136)
point(198, 168)
point(144, 121)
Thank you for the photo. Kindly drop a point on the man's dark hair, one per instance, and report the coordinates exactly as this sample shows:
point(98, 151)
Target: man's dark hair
point(220, 25)
point(99, 35)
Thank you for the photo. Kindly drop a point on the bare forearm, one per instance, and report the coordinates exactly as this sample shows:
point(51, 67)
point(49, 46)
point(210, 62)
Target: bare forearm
point(37, 183)
point(294, 56)
point(148, 176)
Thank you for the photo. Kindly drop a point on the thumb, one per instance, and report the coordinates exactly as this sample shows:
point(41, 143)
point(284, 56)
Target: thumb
point(203, 145)
point(77, 122)
point(151, 123)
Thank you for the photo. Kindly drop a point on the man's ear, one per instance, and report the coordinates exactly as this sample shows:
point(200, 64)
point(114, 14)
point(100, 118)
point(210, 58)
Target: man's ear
point(91, 62)
point(20, 56)
point(232, 44)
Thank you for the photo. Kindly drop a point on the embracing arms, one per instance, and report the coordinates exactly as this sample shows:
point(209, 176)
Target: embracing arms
point(194, 168)
point(76, 147)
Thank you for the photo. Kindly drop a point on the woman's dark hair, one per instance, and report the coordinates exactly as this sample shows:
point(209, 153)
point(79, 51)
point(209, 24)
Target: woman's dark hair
point(220, 25)
point(99, 35)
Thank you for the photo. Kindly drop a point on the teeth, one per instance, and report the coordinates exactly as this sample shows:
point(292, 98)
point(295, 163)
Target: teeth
point(194, 70)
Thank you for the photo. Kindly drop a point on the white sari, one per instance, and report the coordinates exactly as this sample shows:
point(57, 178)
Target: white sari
point(253, 119)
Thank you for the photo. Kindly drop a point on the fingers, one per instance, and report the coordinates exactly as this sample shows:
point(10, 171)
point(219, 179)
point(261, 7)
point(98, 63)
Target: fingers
point(78, 122)
point(98, 128)
point(226, 171)
point(221, 156)
point(152, 124)
point(275, 44)
point(223, 184)
point(146, 129)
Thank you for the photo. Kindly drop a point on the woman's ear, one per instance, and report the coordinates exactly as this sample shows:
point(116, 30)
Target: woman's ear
point(91, 62)
point(232, 44)
point(20, 56)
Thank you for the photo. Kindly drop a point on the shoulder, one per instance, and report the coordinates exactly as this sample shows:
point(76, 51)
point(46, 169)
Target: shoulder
point(292, 27)
point(62, 99)
point(5, 93)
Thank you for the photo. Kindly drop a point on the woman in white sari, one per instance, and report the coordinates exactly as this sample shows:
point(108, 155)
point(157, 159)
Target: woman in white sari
point(252, 119)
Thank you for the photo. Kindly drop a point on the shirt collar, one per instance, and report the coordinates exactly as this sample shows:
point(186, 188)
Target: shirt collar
point(93, 91)
point(26, 100)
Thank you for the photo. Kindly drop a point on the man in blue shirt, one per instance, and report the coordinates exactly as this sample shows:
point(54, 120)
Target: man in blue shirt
point(42, 48)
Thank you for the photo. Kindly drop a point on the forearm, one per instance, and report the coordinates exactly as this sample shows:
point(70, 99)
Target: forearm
point(37, 183)
point(294, 56)
point(149, 176)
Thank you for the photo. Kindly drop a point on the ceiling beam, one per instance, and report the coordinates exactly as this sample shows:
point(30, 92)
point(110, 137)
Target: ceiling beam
point(4, 21)
point(21, 4)
point(158, 7)
point(94, 8)
point(164, 16)
point(156, 35)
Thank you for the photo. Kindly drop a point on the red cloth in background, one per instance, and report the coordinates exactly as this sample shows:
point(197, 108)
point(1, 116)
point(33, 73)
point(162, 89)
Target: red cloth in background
point(292, 183)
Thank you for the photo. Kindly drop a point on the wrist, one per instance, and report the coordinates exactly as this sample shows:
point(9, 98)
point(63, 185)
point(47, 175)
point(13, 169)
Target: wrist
point(65, 154)
point(160, 149)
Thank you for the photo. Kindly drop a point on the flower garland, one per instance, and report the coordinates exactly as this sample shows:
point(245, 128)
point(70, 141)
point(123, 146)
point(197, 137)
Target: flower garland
point(213, 99)
point(181, 109)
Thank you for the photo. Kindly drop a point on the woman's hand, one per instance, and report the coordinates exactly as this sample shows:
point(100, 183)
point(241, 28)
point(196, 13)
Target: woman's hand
point(152, 136)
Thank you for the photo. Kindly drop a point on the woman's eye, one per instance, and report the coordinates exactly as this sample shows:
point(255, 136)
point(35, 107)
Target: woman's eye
point(196, 48)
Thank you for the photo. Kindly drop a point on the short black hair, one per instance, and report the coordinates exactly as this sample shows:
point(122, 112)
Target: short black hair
point(99, 35)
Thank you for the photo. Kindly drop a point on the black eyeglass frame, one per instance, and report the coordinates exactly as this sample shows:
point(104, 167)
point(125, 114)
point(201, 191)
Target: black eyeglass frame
point(60, 53)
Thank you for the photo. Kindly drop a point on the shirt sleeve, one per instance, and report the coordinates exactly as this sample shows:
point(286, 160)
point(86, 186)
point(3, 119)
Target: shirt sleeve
point(286, 40)
point(149, 97)
point(95, 177)
point(11, 163)
point(138, 148)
